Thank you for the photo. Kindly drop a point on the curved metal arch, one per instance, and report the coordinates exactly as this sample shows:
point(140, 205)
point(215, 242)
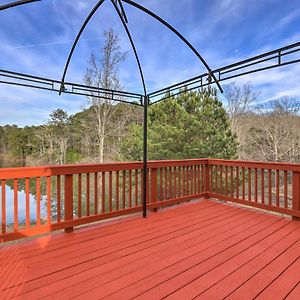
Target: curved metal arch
point(132, 45)
point(210, 73)
point(16, 3)
point(99, 3)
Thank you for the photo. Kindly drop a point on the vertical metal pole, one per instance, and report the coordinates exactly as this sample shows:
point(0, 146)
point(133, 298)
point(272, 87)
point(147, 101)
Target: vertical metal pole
point(145, 167)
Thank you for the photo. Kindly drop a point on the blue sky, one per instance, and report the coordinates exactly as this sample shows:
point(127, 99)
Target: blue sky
point(36, 39)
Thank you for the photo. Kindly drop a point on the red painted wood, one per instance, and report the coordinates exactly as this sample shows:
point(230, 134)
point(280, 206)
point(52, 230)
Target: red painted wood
point(87, 194)
point(38, 201)
point(166, 194)
point(266, 276)
point(103, 196)
point(48, 193)
point(226, 180)
point(294, 294)
point(68, 193)
point(216, 180)
point(251, 261)
point(171, 186)
point(262, 174)
point(27, 202)
point(221, 180)
point(237, 182)
point(277, 188)
point(243, 183)
point(158, 280)
point(110, 191)
point(153, 185)
point(255, 185)
point(136, 183)
point(191, 181)
point(182, 251)
point(270, 186)
point(118, 190)
point(96, 193)
point(296, 191)
point(283, 284)
point(285, 188)
point(58, 197)
point(3, 206)
point(79, 192)
point(249, 184)
point(16, 210)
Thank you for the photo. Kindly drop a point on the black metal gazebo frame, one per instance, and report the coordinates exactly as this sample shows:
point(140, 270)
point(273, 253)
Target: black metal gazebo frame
point(273, 59)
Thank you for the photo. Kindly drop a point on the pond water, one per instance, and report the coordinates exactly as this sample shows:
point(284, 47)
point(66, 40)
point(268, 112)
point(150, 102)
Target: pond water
point(21, 206)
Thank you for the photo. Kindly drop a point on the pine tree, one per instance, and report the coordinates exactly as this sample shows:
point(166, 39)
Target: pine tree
point(191, 125)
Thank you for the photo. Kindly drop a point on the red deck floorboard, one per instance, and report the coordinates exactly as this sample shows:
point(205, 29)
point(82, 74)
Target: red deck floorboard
point(205, 250)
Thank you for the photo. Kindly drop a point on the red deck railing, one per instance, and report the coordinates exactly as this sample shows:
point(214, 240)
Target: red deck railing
point(72, 195)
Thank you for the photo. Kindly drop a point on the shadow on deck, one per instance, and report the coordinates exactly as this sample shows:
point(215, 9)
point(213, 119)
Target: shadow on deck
point(204, 250)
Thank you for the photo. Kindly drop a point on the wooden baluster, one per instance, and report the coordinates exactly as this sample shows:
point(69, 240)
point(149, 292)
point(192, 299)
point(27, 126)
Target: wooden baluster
point(207, 186)
point(166, 184)
point(237, 182)
point(175, 183)
point(96, 193)
point(202, 178)
point(285, 183)
point(3, 206)
point(243, 183)
point(255, 186)
point(87, 194)
point(130, 189)
point(226, 180)
point(58, 196)
point(124, 190)
point(211, 179)
point(195, 181)
point(153, 186)
point(249, 184)
point(231, 182)
point(38, 201)
point(69, 200)
point(277, 188)
point(221, 180)
point(16, 210)
point(270, 186)
point(136, 182)
point(27, 202)
point(161, 184)
point(262, 174)
point(103, 196)
point(48, 188)
point(170, 183)
point(216, 179)
point(296, 194)
point(118, 190)
point(79, 195)
point(179, 182)
point(110, 192)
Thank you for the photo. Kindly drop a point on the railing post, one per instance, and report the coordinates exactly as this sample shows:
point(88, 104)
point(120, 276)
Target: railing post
point(153, 185)
point(206, 180)
point(68, 200)
point(296, 193)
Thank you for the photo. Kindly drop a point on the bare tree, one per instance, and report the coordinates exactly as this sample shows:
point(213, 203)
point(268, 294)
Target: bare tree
point(103, 72)
point(275, 132)
point(58, 125)
point(239, 100)
point(239, 107)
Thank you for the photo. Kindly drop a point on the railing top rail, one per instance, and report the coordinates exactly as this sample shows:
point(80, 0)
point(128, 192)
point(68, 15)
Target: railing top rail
point(256, 164)
point(54, 170)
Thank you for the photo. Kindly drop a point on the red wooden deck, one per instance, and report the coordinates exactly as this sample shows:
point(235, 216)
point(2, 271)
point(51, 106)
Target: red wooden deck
point(204, 250)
